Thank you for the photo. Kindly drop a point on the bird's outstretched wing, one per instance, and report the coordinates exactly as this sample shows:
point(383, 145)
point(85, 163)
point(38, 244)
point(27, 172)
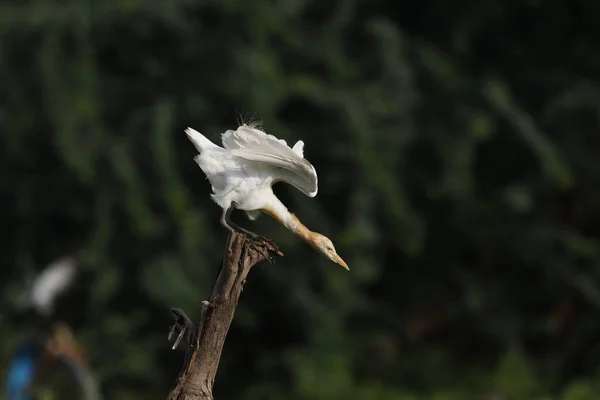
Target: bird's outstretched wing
point(255, 145)
point(50, 283)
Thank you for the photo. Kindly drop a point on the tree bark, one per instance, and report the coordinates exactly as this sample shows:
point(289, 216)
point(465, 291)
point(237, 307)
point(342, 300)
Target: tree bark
point(204, 341)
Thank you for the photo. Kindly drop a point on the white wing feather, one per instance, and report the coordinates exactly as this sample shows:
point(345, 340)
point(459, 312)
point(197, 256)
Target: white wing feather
point(200, 141)
point(299, 148)
point(50, 283)
point(255, 145)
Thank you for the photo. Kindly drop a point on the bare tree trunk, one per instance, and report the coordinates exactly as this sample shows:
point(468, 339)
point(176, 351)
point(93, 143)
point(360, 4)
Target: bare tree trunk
point(204, 341)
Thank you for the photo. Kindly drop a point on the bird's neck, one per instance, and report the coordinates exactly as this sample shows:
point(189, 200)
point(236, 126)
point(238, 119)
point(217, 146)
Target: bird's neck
point(282, 215)
point(294, 225)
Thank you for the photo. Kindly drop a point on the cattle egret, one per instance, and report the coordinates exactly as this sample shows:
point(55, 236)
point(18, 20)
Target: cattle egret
point(243, 171)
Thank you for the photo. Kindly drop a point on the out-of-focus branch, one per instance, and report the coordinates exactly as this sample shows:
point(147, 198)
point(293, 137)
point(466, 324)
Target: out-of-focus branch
point(204, 341)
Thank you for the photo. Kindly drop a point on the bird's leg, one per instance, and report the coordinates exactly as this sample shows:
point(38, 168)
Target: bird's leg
point(226, 219)
point(232, 226)
point(245, 231)
point(253, 235)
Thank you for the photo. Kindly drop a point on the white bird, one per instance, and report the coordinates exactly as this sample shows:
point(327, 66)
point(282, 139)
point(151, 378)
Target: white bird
point(49, 284)
point(243, 171)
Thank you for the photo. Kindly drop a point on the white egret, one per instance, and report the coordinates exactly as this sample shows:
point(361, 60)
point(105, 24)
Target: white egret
point(243, 171)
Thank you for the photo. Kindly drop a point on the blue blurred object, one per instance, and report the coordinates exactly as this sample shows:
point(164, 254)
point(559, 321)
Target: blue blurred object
point(36, 356)
point(22, 371)
point(40, 295)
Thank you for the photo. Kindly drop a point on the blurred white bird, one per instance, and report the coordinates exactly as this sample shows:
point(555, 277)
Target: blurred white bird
point(242, 174)
point(49, 284)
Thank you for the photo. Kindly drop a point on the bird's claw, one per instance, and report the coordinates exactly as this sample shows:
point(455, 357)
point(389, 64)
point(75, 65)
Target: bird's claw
point(248, 233)
point(267, 248)
point(183, 324)
point(265, 254)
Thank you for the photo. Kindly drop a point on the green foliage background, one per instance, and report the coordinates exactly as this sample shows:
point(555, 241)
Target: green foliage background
point(458, 151)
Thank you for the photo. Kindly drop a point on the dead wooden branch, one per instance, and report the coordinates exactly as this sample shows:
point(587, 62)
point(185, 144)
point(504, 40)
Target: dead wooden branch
point(204, 341)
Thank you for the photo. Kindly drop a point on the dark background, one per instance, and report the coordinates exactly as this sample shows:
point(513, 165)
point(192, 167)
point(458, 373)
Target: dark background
point(458, 152)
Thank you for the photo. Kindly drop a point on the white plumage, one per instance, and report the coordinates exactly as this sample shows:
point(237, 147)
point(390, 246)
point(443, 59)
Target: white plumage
point(50, 283)
point(243, 171)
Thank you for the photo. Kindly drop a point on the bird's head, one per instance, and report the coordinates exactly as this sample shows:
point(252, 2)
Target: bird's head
point(323, 245)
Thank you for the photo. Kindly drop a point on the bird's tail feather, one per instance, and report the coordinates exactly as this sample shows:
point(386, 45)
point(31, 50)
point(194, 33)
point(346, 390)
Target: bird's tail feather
point(199, 140)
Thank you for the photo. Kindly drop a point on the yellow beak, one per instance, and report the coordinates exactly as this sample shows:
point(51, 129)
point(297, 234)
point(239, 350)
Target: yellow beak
point(337, 259)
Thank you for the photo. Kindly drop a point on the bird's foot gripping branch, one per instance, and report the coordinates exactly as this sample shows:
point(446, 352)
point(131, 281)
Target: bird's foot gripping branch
point(204, 341)
point(265, 247)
